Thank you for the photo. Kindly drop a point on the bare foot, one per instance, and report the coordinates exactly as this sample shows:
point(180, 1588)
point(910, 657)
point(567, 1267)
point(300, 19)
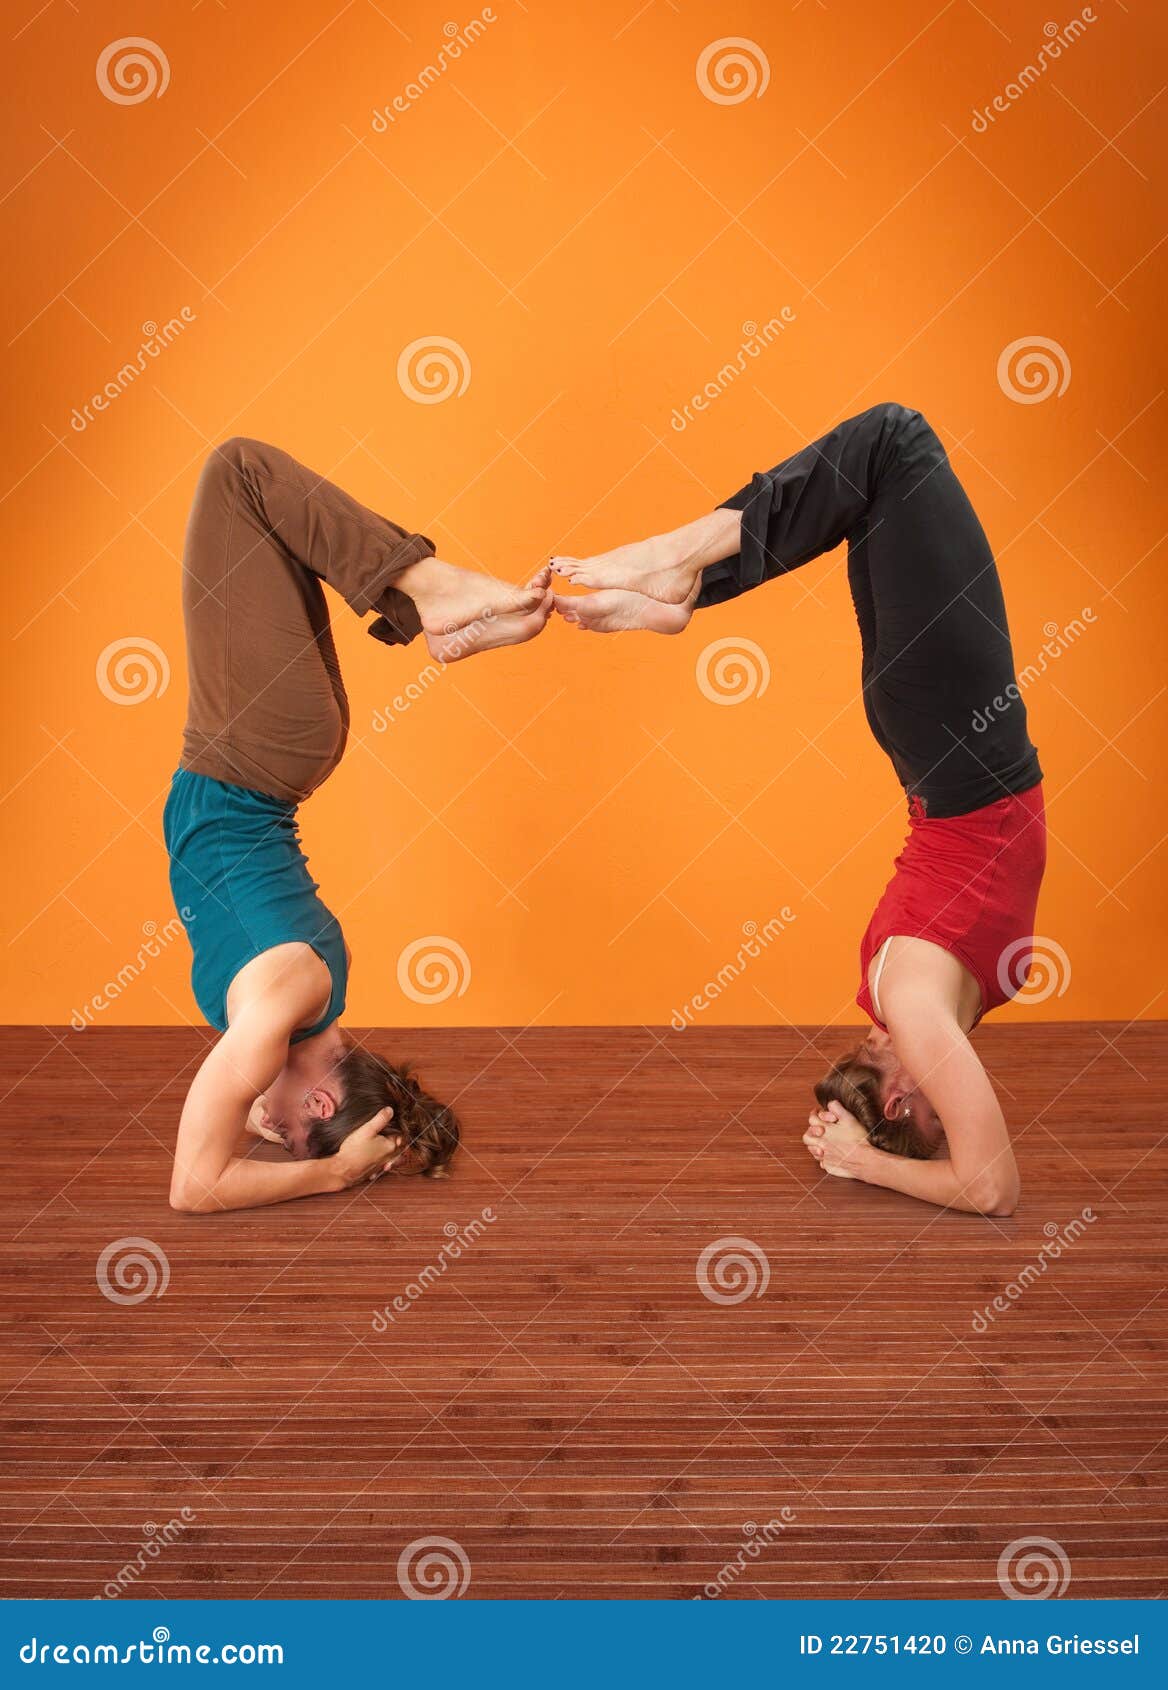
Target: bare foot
point(490, 631)
point(449, 598)
point(666, 567)
point(612, 611)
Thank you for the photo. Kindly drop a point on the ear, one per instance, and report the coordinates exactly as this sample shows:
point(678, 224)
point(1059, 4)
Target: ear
point(319, 1104)
point(894, 1105)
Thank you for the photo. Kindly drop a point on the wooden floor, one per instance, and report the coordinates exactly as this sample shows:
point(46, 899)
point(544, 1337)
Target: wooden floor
point(562, 1401)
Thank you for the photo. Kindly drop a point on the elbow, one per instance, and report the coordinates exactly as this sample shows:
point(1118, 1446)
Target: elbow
point(992, 1196)
point(1003, 1205)
point(185, 1201)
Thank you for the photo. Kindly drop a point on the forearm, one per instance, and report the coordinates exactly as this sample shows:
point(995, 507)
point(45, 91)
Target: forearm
point(938, 1182)
point(245, 1184)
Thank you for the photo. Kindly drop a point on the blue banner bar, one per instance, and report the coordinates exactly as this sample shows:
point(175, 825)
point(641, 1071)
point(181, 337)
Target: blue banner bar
point(589, 1644)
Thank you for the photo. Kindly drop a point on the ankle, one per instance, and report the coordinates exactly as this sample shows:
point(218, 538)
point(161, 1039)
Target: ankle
point(419, 581)
point(676, 548)
point(711, 538)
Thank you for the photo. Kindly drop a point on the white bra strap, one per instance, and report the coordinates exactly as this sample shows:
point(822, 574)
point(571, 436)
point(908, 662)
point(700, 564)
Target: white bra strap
point(875, 987)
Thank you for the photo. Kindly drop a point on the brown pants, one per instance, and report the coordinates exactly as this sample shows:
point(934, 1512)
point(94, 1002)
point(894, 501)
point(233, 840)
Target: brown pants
point(267, 704)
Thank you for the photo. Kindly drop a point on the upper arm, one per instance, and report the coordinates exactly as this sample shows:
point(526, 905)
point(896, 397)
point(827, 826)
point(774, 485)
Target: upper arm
point(240, 1066)
point(936, 1052)
point(922, 988)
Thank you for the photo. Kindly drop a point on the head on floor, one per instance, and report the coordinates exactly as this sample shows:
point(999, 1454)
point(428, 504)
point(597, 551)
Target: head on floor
point(331, 1085)
point(873, 1085)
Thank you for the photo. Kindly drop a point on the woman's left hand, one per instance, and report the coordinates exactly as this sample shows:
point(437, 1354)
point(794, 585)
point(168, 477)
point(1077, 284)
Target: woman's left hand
point(837, 1141)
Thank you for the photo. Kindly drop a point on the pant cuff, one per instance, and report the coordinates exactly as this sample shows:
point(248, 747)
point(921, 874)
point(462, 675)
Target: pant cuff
point(411, 549)
point(749, 569)
point(398, 622)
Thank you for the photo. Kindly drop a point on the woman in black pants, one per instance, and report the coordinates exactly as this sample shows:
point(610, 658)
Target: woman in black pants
point(911, 1108)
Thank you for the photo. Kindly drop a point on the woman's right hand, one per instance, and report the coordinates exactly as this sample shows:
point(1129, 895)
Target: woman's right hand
point(837, 1141)
point(367, 1152)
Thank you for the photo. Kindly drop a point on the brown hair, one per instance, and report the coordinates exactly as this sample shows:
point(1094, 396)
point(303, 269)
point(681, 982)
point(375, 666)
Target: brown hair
point(430, 1130)
point(858, 1086)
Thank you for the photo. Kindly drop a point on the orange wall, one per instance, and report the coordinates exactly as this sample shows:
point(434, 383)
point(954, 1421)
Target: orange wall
point(568, 206)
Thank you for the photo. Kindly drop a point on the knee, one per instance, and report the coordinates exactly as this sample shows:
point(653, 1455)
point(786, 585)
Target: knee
point(897, 419)
point(231, 458)
point(903, 435)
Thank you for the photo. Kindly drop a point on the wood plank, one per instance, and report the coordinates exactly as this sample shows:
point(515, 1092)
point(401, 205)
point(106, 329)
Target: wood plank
point(561, 1399)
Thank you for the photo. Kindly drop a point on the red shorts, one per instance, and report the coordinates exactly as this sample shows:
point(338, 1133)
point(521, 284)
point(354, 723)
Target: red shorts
point(969, 884)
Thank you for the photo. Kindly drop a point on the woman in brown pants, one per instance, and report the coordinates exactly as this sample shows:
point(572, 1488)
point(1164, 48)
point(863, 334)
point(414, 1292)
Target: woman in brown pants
point(266, 725)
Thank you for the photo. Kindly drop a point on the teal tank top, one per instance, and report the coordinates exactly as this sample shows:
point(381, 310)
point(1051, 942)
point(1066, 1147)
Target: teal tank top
point(241, 885)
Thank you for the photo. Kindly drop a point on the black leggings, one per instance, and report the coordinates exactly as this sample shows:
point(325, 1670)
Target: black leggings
point(936, 645)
